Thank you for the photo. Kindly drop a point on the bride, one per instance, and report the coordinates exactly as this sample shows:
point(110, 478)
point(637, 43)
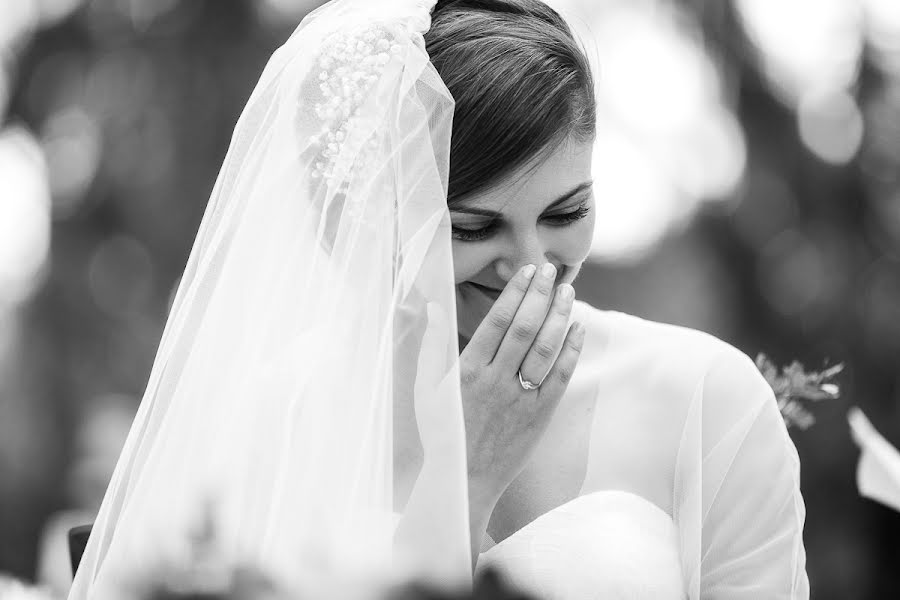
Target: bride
point(375, 367)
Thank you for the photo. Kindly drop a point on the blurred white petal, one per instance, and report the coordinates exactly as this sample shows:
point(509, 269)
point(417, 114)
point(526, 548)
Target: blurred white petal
point(878, 472)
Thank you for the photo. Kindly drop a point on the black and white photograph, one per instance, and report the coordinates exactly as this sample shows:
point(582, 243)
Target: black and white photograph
point(449, 299)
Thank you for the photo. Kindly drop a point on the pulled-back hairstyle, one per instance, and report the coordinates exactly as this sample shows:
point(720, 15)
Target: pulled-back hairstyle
point(521, 82)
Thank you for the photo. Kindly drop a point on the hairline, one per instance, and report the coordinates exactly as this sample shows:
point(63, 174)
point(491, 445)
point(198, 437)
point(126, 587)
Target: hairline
point(523, 170)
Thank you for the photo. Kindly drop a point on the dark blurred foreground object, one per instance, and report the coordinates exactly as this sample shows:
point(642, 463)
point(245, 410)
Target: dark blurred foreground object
point(15, 589)
point(248, 585)
point(488, 585)
point(206, 582)
point(252, 585)
point(78, 539)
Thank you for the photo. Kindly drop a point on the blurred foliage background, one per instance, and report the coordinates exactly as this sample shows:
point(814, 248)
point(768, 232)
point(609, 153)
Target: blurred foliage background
point(747, 176)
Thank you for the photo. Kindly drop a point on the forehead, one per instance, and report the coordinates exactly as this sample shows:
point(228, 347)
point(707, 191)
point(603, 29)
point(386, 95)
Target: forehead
point(539, 181)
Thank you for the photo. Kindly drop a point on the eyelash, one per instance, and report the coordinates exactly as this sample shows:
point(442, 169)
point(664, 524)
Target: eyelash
point(561, 220)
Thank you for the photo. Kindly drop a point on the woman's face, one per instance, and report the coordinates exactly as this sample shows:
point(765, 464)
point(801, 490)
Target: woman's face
point(534, 217)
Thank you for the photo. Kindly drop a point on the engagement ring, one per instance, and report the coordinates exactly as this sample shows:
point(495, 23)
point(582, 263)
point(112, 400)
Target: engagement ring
point(527, 385)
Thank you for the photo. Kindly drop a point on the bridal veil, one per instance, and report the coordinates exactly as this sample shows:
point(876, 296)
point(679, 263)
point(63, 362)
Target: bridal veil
point(315, 317)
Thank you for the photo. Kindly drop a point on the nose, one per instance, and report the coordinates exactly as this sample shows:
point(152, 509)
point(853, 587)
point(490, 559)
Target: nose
point(530, 253)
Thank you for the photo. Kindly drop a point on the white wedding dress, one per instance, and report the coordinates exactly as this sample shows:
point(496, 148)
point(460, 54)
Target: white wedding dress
point(609, 545)
point(682, 417)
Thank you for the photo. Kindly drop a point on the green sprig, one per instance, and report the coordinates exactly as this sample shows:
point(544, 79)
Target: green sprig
point(794, 388)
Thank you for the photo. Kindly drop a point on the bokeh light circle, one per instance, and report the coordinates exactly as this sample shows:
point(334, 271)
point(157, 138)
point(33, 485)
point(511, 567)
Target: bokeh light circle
point(24, 215)
point(831, 125)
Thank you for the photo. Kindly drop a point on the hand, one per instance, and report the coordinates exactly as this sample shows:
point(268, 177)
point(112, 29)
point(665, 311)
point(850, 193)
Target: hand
point(504, 422)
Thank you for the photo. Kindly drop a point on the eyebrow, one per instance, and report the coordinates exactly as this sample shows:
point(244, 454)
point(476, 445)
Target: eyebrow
point(471, 210)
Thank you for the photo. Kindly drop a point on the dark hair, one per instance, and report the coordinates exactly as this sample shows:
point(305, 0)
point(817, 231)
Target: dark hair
point(521, 83)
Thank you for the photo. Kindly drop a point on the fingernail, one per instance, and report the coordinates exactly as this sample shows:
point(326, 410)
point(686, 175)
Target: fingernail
point(528, 271)
point(548, 270)
point(566, 292)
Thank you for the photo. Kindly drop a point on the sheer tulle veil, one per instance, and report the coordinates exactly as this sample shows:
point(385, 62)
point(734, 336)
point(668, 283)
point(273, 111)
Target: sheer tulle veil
point(315, 323)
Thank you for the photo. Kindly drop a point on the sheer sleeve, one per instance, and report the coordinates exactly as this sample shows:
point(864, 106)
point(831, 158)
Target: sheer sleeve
point(738, 506)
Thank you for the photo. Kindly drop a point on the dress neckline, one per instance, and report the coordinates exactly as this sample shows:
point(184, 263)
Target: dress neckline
point(584, 498)
point(631, 495)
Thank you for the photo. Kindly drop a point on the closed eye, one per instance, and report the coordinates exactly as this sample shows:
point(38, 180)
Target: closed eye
point(570, 217)
point(557, 220)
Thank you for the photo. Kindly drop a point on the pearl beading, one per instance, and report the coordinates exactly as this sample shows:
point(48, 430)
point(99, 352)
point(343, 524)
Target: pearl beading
point(351, 63)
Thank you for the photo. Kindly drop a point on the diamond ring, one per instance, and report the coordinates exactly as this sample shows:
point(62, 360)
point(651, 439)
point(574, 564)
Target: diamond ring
point(527, 385)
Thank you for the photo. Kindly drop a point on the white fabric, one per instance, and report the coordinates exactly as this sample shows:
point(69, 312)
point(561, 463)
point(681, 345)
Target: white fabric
point(315, 317)
point(607, 545)
point(683, 416)
point(878, 470)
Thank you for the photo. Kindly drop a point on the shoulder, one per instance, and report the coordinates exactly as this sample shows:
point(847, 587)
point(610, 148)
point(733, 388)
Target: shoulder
point(671, 358)
point(616, 333)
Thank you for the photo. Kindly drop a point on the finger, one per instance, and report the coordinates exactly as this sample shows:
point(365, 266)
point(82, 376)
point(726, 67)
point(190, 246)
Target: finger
point(564, 368)
point(487, 337)
point(527, 321)
point(549, 339)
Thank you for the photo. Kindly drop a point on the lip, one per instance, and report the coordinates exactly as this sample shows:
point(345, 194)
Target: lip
point(491, 293)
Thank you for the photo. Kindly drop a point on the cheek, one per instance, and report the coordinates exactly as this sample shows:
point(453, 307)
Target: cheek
point(573, 245)
point(469, 260)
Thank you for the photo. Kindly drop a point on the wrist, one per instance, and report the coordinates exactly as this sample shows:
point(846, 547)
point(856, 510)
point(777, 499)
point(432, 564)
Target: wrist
point(483, 497)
